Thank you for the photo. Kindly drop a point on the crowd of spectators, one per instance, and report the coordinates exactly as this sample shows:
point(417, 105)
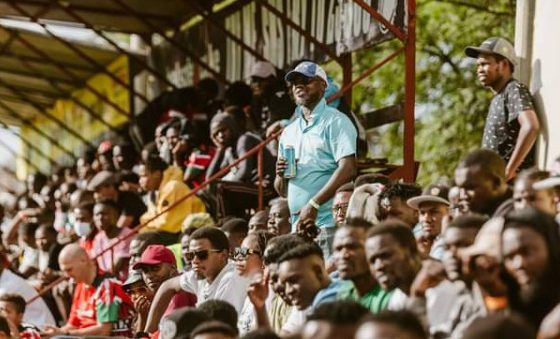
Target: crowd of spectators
point(334, 254)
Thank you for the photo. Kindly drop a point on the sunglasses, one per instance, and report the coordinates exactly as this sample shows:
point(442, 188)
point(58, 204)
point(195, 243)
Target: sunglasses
point(244, 252)
point(201, 255)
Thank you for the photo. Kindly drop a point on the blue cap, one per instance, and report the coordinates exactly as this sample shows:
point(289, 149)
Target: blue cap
point(308, 69)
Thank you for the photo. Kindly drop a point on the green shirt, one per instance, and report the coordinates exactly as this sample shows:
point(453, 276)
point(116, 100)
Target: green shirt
point(375, 300)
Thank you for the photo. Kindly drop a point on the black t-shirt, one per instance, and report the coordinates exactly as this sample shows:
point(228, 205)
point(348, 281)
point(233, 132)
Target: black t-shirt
point(131, 205)
point(502, 128)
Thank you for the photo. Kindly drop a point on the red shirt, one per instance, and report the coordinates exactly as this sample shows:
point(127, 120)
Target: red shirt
point(103, 302)
point(181, 299)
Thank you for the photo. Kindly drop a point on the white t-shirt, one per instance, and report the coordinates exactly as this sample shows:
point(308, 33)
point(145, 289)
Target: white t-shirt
point(228, 286)
point(37, 313)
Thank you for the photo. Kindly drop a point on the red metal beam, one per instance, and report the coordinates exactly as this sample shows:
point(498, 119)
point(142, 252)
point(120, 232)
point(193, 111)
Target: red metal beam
point(11, 112)
point(300, 30)
point(100, 68)
point(48, 58)
point(181, 48)
point(66, 7)
point(409, 94)
point(49, 116)
point(377, 16)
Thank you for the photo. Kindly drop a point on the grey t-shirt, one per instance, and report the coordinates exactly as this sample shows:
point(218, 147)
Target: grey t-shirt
point(502, 128)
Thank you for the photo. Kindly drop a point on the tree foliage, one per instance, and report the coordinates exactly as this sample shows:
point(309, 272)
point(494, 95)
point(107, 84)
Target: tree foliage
point(450, 103)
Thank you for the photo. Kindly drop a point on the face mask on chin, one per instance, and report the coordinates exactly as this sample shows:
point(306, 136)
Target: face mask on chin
point(82, 229)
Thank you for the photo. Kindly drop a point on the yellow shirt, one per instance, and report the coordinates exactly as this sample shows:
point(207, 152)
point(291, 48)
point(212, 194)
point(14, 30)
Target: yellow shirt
point(171, 190)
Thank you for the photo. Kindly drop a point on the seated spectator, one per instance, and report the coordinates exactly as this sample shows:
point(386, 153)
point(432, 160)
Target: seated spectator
point(99, 306)
point(275, 314)
point(49, 249)
point(157, 265)
point(124, 157)
point(258, 221)
point(340, 203)
point(104, 186)
point(279, 217)
point(83, 225)
point(481, 179)
point(12, 306)
point(212, 275)
point(351, 264)
point(214, 329)
point(392, 324)
point(105, 155)
point(337, 319)
point(249, 264)
point(236, 229)
point(393, 259)
point(524, 195)
point(531, 254)
point(237, 193)
point(156, 178)
point(432, 207)
point(116, 259)
point(141, 297)
point(364, 203)
point(393, 203)
point(184, 243)
point(306, 283)
point(139, 243)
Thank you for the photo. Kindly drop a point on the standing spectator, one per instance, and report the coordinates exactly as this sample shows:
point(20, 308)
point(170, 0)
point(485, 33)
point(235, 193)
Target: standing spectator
point(164, 190)
point(512, 124)
point(212, 276)
point(104, 186)
point(279, 217)
point(100, 307)
point(324, 141)
point(351, 264)
point(393, 203)
point(12, 306)
point(480, 177)
point(340, 203)
point(116, 259)
point(432, 207)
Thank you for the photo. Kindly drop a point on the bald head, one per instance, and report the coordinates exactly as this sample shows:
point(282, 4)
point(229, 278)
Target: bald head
point(76, 264)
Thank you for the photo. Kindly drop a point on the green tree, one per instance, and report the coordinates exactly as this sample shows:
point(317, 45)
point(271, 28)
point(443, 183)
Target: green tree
point(450, 103)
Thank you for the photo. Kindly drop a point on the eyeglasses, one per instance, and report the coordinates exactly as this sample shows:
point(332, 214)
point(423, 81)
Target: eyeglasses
point(201, 255)
point(244, 252)
point(339, 207)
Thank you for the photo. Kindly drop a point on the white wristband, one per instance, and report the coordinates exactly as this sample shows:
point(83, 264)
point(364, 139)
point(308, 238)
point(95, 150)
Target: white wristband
point(314, 204)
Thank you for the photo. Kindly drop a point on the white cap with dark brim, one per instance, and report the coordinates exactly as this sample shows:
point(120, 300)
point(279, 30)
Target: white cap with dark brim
point(547, 183)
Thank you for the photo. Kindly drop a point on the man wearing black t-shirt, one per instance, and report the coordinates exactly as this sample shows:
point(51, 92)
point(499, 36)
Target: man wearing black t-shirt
point(512, 125)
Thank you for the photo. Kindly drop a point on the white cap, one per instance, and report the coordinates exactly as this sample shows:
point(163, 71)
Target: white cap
point(263, 69)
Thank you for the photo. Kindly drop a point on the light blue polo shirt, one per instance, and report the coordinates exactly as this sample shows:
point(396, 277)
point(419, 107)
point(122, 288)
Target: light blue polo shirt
point(319, 145)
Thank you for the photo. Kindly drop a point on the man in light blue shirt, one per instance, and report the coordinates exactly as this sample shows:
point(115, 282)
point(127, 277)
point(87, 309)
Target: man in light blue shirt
point(324, 141)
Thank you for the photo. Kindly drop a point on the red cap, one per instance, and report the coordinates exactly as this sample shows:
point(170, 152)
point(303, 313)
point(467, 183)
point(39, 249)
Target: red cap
point(155, 254)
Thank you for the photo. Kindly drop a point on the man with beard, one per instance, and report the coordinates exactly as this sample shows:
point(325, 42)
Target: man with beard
point(531, 251)
point(324, 144)
point(351, 264)
point(480, 177)
point(157, 264)
point(512, 125)
point(212, 275)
